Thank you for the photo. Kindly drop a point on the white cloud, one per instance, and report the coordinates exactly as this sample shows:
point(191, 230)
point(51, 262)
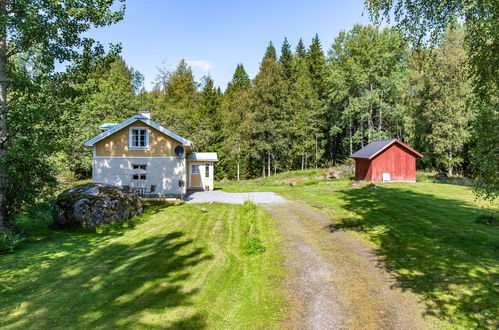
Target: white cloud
point(201, 65)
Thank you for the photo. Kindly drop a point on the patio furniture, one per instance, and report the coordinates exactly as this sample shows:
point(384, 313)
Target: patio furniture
point(152, 191)
point(139, 191)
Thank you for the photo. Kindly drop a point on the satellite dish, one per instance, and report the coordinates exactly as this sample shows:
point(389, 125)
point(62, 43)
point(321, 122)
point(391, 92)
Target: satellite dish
point(179, 151)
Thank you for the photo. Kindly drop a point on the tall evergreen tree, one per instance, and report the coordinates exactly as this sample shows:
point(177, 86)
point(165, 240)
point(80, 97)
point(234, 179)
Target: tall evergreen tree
point(270, 52)
point(305, 124)
point(207, 117)
point(300, 49)
point(286, 60)
point(173, 106)
point(316, 65)
point(268, 116)
point(240, 80)
point(235, 110)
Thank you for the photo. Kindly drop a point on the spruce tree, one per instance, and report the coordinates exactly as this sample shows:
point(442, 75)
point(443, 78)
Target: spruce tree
point(207, 118)
point(316, 65)
point(234, 111)
point(286, 60)
point(240, 80)
point(270, 52)
point(269, 118)
point(173, 106)
point(300, 49)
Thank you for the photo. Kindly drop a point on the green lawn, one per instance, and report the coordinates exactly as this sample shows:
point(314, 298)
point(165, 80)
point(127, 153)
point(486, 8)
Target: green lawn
point(180, 268)
point(425, 231)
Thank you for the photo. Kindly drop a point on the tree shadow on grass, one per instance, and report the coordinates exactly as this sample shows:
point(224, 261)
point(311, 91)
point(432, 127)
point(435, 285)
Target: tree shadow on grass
point(86, 282)
point(436, 249)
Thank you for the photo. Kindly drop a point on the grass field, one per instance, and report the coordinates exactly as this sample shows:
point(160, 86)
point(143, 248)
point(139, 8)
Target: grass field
point(179, 268)
point(425, 231)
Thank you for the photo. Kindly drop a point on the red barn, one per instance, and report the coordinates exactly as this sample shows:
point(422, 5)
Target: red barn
point(386, 160)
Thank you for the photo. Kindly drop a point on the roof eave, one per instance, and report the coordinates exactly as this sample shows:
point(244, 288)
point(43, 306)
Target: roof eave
point(131, 120)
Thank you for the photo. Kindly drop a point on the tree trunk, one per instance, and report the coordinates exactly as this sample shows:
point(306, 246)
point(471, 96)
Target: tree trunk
point(315, 150)
point(268, 164)
point(3, 115)
point(263, 167)
point(361, 133)
point(450, 166)
point(302, 162)
point(380, 126)
point(238, 160)
point(351, 142)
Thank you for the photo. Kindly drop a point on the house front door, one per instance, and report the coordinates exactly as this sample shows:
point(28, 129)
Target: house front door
point(195, 176)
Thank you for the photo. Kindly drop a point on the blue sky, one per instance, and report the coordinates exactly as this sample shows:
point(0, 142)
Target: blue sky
point(216, 35)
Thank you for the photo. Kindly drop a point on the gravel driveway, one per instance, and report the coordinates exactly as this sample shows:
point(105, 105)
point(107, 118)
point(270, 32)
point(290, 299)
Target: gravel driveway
point(234, 198)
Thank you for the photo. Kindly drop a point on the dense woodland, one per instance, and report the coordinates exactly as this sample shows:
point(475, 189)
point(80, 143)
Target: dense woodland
point(310, 105)
point(305, 108)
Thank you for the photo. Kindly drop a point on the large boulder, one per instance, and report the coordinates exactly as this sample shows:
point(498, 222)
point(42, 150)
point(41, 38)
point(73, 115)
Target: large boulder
point(94, 204)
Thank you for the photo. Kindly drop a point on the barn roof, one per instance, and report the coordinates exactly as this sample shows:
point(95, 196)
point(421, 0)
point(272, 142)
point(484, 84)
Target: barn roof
point(375, 147)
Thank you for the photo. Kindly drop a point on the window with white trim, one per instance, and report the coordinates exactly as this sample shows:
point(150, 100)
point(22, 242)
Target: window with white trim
point(139, 138)
point(195, 169)
point(207, 170)
point(141, 176)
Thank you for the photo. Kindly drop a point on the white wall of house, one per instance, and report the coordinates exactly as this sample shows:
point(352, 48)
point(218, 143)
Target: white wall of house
point(164, 172)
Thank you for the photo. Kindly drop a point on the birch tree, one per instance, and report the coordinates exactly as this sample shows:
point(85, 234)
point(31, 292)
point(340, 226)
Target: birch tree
point(52, 27)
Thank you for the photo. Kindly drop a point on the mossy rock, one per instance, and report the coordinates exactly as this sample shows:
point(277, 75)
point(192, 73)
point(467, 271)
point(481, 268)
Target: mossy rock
point(94, 204)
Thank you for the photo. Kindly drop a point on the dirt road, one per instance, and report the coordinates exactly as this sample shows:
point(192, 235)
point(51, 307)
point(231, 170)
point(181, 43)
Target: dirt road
point(335, 281)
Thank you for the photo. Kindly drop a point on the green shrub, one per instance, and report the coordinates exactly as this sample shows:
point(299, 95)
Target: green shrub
point(250, 243)
point(253, 245)
point(311, 183)
point(9, 241)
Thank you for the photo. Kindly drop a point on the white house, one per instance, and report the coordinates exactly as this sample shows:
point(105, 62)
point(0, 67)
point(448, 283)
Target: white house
point(143, 155)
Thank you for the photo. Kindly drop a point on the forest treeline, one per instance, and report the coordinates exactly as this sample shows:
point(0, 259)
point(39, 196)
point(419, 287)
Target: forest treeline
point(306, 107)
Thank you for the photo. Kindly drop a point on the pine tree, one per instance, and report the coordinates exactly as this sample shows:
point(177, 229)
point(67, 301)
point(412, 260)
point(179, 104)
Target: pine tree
point(270, 52)
point(240, 80)
point(172, 107)
point(286, 60)
point(269, 118)
point(305, 125)
point(207, 118)
point(300, 49)
point(316, 65)
point(235, 109)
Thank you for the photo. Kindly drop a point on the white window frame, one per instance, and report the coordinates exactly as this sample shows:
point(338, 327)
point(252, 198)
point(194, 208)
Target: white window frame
point(198, 167)
point(142, 177)
point(132, 147)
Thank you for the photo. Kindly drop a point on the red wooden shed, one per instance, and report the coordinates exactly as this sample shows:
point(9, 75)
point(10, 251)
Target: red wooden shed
point(386, 160)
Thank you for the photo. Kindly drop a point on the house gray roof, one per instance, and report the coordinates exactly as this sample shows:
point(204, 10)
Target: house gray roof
point(131, 120)
point(107, 126)
point(203, 156)
point(375, 147)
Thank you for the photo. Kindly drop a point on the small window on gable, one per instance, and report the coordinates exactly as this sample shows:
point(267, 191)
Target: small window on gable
point(139, 138)
point(207, 170)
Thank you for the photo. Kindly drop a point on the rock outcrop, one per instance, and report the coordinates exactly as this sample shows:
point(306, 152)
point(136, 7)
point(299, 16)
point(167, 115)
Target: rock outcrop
point(94, 204)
